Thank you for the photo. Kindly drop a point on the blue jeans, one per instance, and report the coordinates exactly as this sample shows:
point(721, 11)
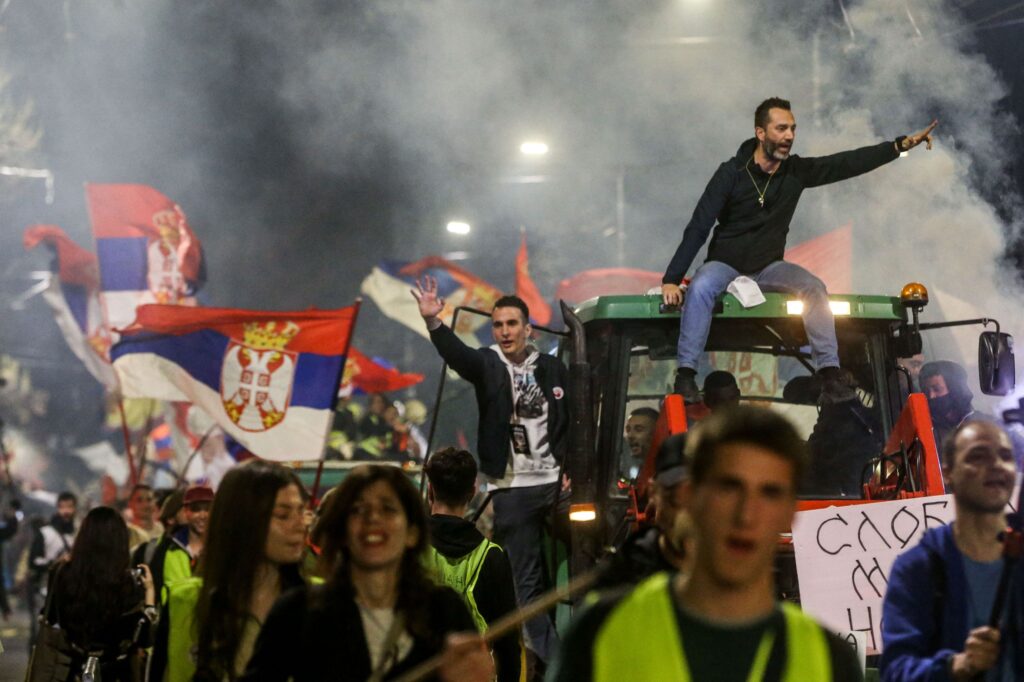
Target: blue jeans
point(710, 282)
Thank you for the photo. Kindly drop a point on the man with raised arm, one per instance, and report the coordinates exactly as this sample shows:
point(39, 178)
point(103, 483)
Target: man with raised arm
point(750, 202)
point(522, 434)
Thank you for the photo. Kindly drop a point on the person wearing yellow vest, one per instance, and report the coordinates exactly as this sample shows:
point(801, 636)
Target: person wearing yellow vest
point(721, 621)
point(465, 560)
point(255, 540)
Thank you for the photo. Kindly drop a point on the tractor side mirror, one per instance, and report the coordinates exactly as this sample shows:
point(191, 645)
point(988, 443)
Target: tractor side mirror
point(996, 369)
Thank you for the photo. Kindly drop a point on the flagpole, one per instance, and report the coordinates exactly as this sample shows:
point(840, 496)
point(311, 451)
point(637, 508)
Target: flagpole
point(132, 476)
point(334, 404)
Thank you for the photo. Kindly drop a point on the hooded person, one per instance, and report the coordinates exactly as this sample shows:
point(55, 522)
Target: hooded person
point(944, 383)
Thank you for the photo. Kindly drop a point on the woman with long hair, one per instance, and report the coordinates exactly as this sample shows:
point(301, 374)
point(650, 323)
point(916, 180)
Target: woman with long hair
point(379, 614)
point(106, 610)
point(254, 542)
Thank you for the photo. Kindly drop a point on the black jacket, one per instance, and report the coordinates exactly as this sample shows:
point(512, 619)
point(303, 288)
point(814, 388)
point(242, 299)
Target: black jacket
point(489, 375)
point(495, 592)
point(749, 237)
point(315, 633)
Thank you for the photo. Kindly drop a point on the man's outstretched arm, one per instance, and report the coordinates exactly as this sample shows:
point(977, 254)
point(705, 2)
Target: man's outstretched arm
point(696, 233)
point(466, 361)
point(822, 170)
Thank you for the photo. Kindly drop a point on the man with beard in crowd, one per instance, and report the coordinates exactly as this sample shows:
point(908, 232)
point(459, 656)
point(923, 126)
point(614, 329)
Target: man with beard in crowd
point(944, 383)
point(753, 197)
point(639, 431)
point(935, 618)
point(50, 543)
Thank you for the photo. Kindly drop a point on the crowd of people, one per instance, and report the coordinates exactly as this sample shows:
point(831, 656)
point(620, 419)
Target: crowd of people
point(258, 581)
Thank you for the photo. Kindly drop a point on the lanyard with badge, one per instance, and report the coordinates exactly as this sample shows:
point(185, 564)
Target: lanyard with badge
point(517, 431)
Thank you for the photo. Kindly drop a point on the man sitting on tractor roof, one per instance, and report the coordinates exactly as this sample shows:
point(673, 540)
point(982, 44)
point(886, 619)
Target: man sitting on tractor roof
point(753, 197)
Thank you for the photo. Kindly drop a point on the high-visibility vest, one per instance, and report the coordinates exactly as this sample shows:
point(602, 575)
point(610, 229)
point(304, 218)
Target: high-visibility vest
point(461, 574)
point(183, 596)
point(641, 635)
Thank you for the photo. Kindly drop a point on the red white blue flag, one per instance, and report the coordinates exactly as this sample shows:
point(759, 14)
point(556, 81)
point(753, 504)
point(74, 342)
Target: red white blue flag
point(373, 375)
point(71, 294)
point(269, 379)
point(147, 251)
point(390, 282)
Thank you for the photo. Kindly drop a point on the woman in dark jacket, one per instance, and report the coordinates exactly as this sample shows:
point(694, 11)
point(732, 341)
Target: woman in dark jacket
point(379, 611)
point(106, 610)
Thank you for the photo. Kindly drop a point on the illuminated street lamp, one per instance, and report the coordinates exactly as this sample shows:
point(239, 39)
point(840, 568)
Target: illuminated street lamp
point(533, 148)
point(458, 227)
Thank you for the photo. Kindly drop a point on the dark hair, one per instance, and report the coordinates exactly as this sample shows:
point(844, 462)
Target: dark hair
point(137, 487)
point(451, 473)
point(234, 547)
point(67, 497)
point(331, 534)
point(509, 301)
point(947, 448)
point(648, 412)
point(744, 424)
point(95, 586)
point(762, 115)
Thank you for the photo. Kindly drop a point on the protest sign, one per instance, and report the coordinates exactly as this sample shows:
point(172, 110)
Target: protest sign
point(844, 555)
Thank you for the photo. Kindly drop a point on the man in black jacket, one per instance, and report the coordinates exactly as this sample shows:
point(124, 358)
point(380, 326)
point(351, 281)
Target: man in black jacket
point(753, 197)
point(521, 436)
point(464, 559)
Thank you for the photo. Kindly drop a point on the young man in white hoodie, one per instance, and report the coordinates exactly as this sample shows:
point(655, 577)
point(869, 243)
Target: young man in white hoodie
point(521, 436)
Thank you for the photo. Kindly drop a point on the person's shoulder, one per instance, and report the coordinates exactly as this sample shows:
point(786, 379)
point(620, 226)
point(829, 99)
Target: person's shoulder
point(843, 658)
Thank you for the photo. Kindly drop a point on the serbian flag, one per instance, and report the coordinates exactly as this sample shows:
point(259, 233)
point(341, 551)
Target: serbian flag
point(147, 251)
point(269, 379)
point(526, 288)
point(72, 295)
point(389, 283)
point(372, 375)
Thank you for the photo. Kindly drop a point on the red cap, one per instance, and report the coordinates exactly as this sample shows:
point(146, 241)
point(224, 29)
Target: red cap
point(198, 493)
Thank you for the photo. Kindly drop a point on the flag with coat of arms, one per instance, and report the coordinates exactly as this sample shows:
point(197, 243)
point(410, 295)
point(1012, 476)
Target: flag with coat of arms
point(147, 252)
point(72, 294)
point(269, 379)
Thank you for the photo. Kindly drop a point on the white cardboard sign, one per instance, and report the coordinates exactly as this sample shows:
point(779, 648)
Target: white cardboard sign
point(844, 556)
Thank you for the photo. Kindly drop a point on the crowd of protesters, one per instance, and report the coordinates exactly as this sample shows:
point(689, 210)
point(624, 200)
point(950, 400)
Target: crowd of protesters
point(382, 430)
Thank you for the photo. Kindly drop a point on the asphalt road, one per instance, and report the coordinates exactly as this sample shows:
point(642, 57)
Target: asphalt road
point(14, 636)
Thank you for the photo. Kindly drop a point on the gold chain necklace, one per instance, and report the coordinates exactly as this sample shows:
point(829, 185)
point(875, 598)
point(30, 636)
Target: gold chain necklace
point(760, 193)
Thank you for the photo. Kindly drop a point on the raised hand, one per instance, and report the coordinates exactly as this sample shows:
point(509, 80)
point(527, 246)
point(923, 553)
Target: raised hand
point(911, 141)
point(426, 296)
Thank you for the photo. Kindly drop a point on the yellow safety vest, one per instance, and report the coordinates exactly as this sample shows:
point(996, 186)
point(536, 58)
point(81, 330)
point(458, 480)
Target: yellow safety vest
point(640, 639)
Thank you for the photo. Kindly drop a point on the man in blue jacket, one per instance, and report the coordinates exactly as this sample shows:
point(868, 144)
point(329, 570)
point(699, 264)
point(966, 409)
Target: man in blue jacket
point(935, 618)
point(521, 437)
point(750, 202)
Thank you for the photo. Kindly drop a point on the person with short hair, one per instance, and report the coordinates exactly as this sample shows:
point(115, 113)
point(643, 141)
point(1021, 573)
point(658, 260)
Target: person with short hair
point(50, 543)
point(142, 524)
point(522, 436)
point(639, 431)
point(720, 621)
point(463, 559)
point(935, 617)
point(750, 202)
point(661, 546)
point(720, 390)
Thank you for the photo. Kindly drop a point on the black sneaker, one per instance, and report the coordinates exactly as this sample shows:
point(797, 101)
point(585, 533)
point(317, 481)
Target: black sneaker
point(686, 386)
point(836, 386)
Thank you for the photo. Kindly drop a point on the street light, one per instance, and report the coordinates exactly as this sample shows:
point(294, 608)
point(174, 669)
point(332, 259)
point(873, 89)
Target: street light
point(533, 148)
point(458, 227)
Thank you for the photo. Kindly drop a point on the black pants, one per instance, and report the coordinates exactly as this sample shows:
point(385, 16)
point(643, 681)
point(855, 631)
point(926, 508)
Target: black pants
point(520, 519)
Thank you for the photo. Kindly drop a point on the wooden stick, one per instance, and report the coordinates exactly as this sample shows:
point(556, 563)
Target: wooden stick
point(510, 622)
